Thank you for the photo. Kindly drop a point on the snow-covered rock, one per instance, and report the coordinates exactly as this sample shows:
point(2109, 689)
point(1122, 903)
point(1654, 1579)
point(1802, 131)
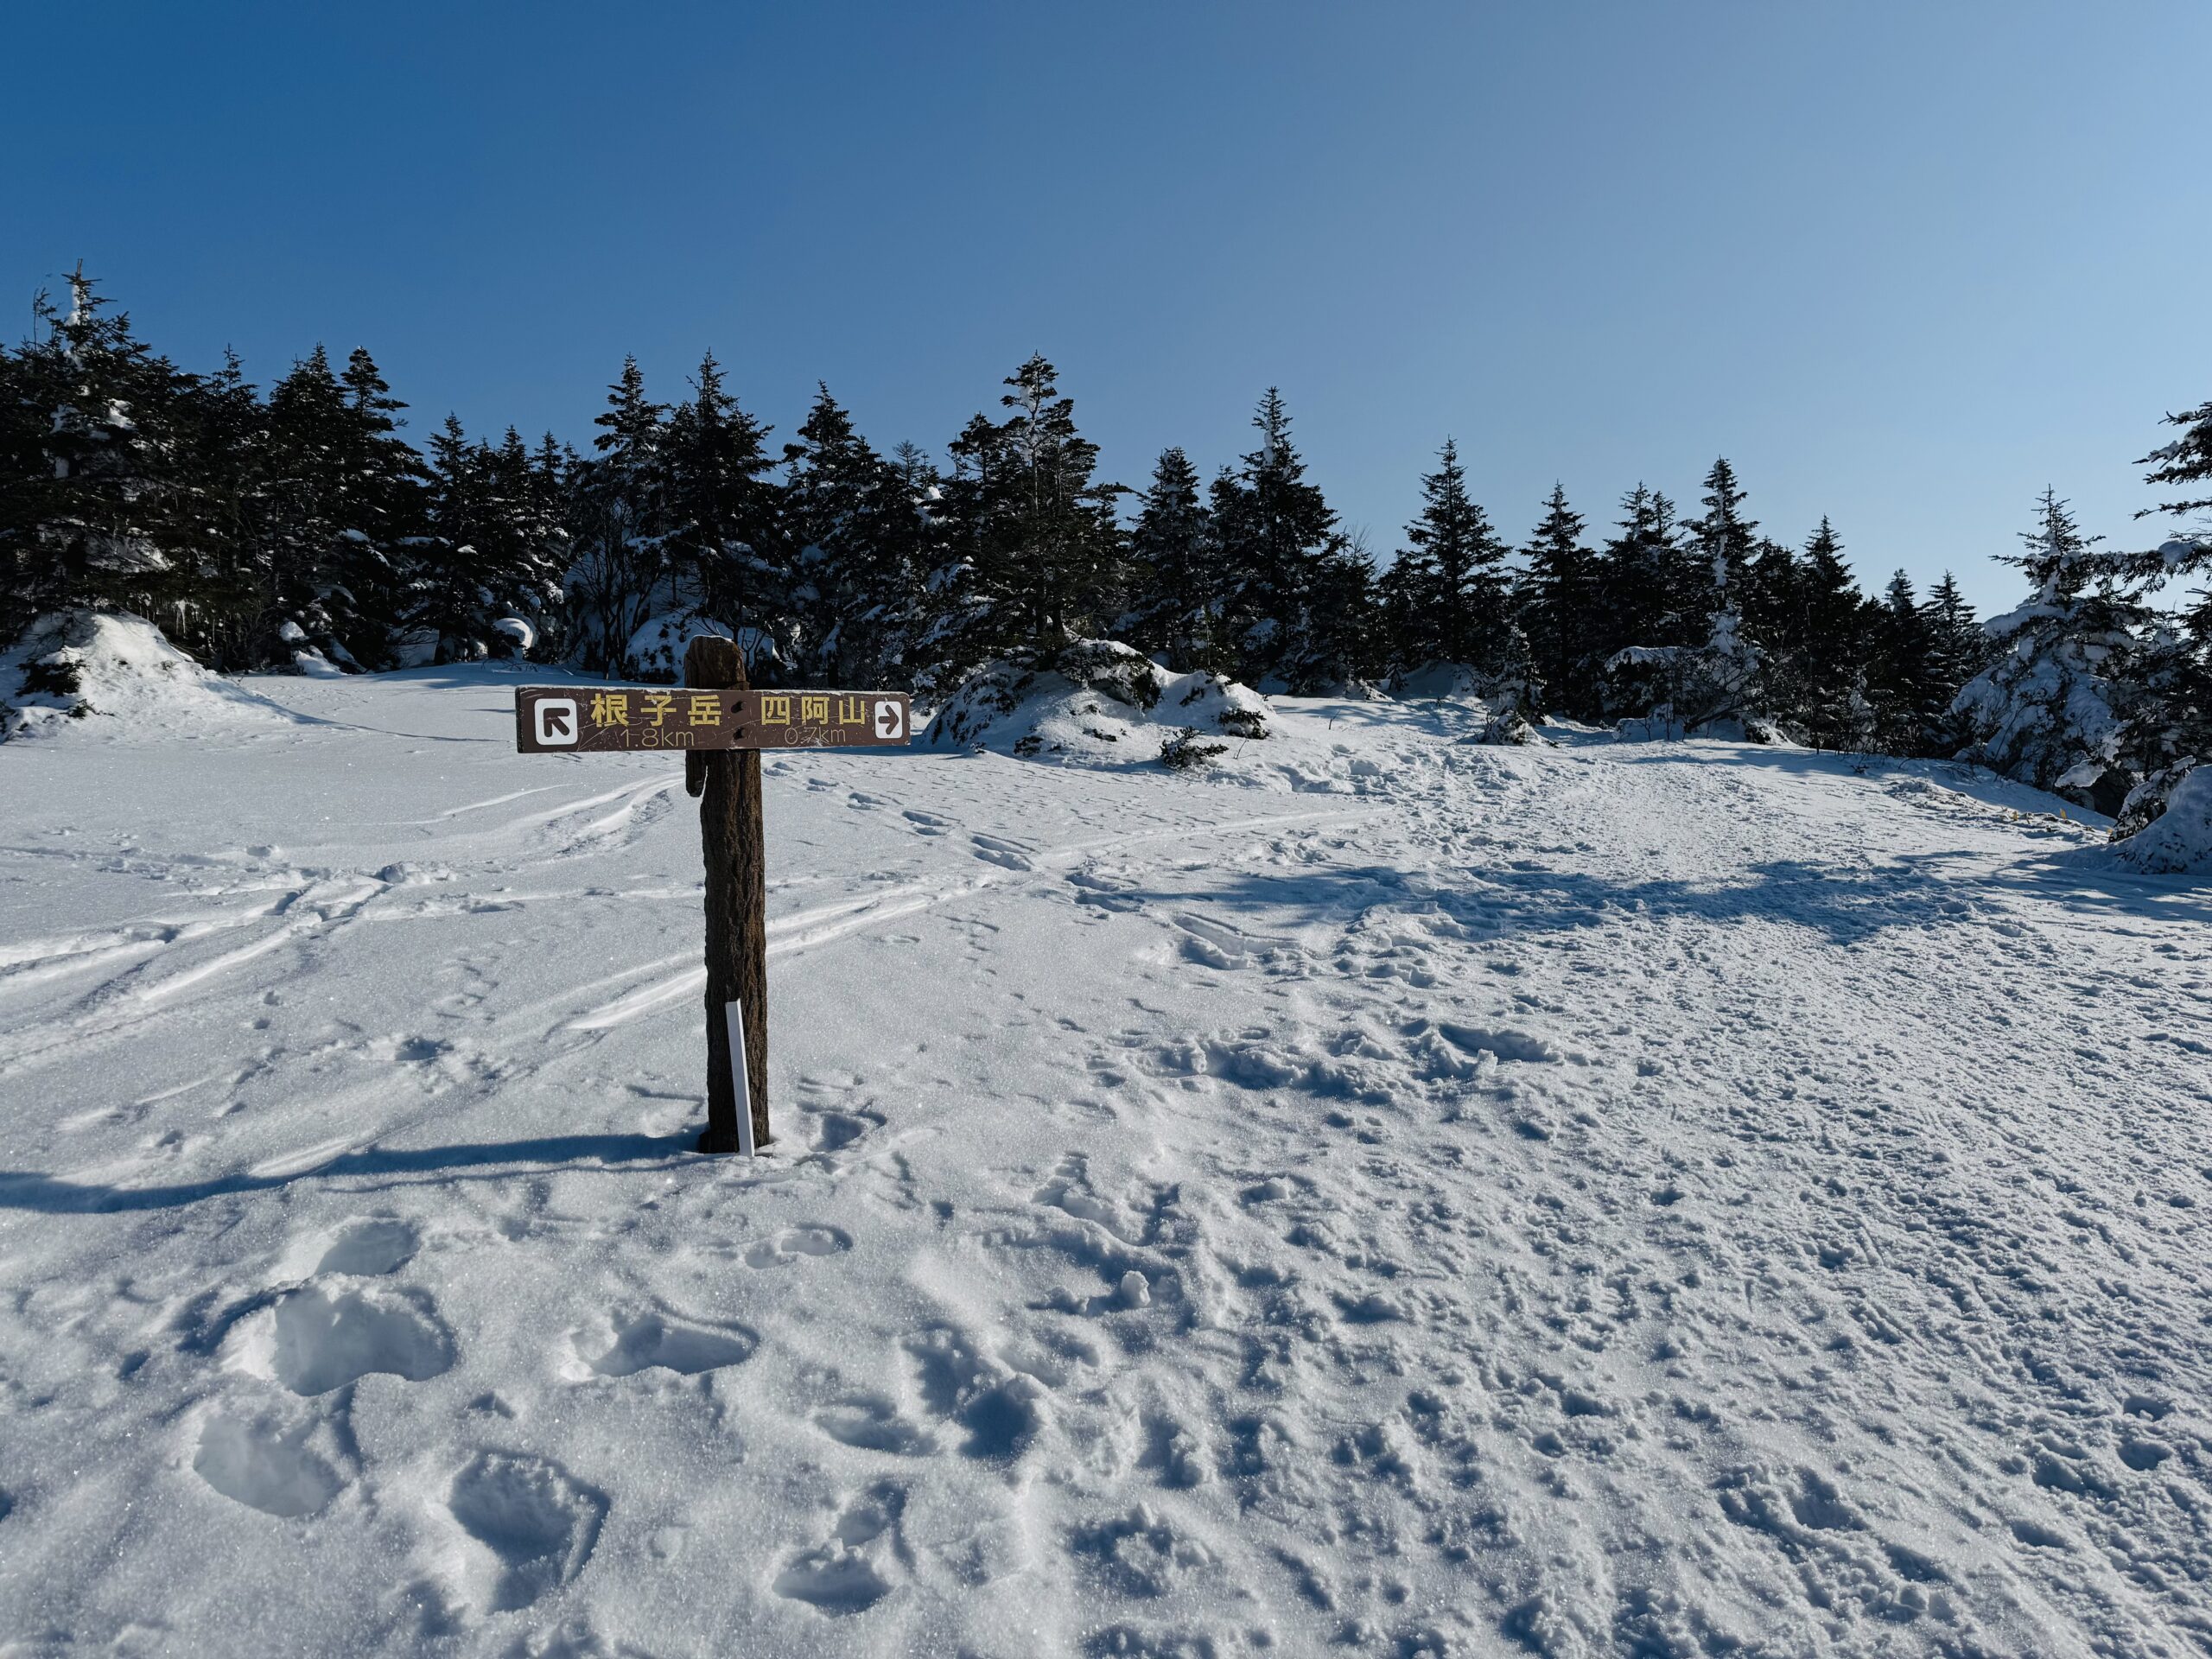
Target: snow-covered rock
point(79, 665)
point(1094, 702)
point(2178, 841)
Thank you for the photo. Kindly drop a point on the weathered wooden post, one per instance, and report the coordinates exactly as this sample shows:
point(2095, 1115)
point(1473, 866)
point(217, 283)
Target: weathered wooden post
point(727, 784)
point(720, 725)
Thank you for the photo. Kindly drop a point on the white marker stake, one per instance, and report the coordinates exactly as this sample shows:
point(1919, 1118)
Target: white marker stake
point(733, 1016)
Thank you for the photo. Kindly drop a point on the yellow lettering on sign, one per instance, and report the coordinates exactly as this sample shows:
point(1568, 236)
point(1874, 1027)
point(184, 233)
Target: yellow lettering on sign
point(852, 711)
point(657, 703)
point(705, 709)
point(610, 709)
point(775, 711)
point(813, 711)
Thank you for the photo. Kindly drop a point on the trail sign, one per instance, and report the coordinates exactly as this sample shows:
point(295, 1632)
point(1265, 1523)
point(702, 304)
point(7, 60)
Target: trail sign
point(719, 724)
point(604, 719)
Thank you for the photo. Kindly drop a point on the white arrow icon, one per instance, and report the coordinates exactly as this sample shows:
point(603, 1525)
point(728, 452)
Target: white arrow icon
point(890, 718)
point(556, 721)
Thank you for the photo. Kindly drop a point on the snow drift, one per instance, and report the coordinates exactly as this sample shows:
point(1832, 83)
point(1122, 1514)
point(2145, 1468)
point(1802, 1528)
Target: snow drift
point(77, 664)
point(1097, 702)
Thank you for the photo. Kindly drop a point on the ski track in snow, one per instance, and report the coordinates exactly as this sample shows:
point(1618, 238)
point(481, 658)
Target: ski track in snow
point(1610, 1198)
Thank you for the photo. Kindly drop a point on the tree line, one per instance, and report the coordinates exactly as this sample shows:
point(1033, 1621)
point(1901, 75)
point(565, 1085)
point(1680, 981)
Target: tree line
point(267, 529)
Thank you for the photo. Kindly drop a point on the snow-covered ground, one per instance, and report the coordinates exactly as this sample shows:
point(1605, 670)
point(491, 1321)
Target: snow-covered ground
point(1606, 1198)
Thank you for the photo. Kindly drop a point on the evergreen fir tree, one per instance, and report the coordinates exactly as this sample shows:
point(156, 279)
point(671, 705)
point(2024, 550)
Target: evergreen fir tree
point(1829, 646)
point(221, 624)
point(720, 514)
point(1272, 528)
point(1906, 692)
point(2162, 696)
point(334, 504)
point(2042, 712)
point(1072, 544)
point(488, 560)
point(2165, 684)
point(1725, 541)
point(445, 599)
point(1720, 679)
point(1451, 580)
point(2186, 461)
point(1640, 578)
point(1565, 611)
point(1037, 533)
point(1958, 647)
point(620, 577)
point(1773, 595)
point(1172, 568)
point(100, 511)
point(851, 516)
point(1341, 642)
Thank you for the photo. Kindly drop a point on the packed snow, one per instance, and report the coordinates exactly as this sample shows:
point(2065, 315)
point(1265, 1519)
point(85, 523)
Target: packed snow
point(1371, 1192)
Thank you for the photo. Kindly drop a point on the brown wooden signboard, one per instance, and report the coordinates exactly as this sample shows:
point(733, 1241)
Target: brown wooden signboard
point(601, 719)
point(719, 724)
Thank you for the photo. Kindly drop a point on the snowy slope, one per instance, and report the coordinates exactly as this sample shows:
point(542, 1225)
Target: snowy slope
point(1656, 1199)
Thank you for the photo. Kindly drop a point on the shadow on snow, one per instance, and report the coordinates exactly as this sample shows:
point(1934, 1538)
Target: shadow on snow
point(29, 1190)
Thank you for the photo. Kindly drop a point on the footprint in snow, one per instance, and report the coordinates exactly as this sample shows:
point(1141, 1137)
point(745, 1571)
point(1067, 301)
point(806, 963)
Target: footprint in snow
point(265, 1462)
point(1001, 1410)
point(536, 1525)
point(870, 1422)
point(834, 1131)
point(629, 1342)
point(321, 1337)
point(851, 1571)
point(370, 1247)
point(1141, 1553)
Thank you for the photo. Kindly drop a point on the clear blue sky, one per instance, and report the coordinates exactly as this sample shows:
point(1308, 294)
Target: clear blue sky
point(1903, 263)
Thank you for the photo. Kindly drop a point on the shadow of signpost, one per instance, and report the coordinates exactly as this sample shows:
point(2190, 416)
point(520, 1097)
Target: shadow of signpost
point(376, 1166)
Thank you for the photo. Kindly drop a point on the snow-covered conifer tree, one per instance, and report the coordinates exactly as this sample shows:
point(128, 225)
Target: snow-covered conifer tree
point(1272, 528)
point(1908, 699)
point(620, 576)
point(101, 507)
point(1171, 557)
point(1562, 611)
point(2043, 711)
point(725, 557)
point(2166, 694)
point(852, 519)
point(1450, 582)
point(1719, 680)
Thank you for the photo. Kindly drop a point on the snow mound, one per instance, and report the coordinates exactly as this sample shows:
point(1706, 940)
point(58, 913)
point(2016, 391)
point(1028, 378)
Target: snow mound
point(1498, 703)
point(2179, 842)
point(656, 649)
point(1096, 702)
point(77, 664)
